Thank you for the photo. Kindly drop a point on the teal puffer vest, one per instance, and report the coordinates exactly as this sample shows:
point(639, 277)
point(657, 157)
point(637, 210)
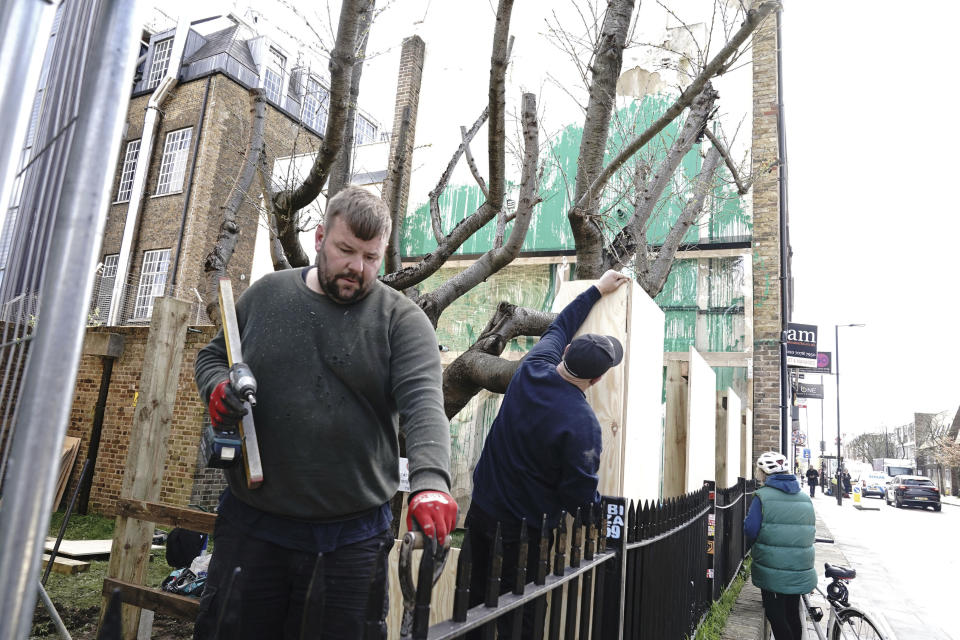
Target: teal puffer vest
point(783, 555)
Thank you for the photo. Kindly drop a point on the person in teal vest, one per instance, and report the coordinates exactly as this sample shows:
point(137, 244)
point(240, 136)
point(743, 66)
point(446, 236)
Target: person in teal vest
point(782, 526)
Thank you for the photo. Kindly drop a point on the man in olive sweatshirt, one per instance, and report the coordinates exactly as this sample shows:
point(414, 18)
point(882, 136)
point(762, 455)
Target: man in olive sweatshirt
point(341, 361)
point(783, 525)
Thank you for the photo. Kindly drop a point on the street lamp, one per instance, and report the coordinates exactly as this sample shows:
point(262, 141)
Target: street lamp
point(836, 343)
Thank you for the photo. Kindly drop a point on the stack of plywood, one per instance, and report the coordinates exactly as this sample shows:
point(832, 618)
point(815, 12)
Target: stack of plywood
point(68, 456)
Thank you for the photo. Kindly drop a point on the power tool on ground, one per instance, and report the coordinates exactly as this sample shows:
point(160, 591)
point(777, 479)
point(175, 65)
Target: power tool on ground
point(221, 449)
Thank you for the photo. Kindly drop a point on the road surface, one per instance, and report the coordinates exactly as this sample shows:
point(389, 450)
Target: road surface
point(907, 562)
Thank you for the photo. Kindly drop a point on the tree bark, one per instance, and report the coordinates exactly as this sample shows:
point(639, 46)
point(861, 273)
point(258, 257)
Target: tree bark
point(495, 259)
point(480, 367)
point(632, 238)
point(215, 264)
point(341, 174)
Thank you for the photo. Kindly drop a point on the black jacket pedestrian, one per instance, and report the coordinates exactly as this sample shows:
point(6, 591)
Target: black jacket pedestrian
point(813, 477)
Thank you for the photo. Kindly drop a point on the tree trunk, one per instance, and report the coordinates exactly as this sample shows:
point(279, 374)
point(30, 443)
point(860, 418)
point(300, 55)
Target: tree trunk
point(341, 174)
point(215, 264)
point(605, 71)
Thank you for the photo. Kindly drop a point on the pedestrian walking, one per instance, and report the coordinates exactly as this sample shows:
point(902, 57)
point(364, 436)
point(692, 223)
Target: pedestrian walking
point(338, 357)
point(543, 451)
point(847, 485)
point(782, 526)
point(813, 478)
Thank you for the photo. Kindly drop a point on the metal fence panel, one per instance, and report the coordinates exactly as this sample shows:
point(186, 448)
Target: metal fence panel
point(58, 234)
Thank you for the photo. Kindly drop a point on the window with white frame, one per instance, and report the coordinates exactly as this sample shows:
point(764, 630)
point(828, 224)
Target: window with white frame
point(273, 75)
point(174, 162)
point(129, 167)
point(153, 278)
point(108, 276)
point(161, 59)
point(364, 131)
point(315, 105)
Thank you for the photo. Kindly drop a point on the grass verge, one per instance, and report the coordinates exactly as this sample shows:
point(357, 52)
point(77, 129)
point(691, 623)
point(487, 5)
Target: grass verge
point(716, 620)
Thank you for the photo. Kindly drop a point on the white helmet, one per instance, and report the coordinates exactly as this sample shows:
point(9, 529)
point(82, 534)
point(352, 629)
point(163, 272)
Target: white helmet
point(772, 462)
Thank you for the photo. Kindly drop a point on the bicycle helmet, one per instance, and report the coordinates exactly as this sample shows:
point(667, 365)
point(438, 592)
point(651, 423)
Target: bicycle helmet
point(772, 462)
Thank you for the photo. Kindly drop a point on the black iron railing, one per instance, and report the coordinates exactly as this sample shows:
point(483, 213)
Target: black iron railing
point(653, 575)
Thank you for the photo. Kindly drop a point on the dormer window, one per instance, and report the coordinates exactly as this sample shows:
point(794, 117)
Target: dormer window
point(364, 131)
point(161, 60)
point(315, 105)
point(273, 75)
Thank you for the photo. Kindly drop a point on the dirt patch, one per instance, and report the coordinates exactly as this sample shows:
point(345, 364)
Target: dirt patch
point(82, 625)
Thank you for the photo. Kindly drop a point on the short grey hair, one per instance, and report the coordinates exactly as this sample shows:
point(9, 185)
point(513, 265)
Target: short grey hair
point(365, 213)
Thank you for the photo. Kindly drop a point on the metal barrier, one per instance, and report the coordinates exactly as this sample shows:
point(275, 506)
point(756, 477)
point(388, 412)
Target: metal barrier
point(649, 577)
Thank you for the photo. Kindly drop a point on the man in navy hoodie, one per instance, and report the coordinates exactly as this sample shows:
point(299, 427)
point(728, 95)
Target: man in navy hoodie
point(782, 523)
point(543, 451)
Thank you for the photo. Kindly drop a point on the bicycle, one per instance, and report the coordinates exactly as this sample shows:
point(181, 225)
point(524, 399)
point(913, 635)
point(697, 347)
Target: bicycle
point(846, 621)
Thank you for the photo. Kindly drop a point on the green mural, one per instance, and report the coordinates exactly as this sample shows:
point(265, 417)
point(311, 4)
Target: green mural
point(549, 230)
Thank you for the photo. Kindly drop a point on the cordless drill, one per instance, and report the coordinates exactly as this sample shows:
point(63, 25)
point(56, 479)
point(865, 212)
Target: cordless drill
point(221, 449)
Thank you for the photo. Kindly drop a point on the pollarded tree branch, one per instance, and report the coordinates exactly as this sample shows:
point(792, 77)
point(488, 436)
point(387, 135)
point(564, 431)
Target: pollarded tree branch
point(480, 366)
point(410, 276)
point(215, 264)
point(495, 259)
point(742, 187)
point(655, 278)
point(632, 237)
point(753, 18)
point(289, 202)
point(605, 69)
point(445, 176)
point(472, 164)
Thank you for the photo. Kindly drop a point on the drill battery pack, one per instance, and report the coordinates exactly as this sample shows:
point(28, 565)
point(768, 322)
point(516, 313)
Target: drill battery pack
point(220, 450)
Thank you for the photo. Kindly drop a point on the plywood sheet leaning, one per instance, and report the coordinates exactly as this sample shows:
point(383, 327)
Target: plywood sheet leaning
point(68, 455)
point(701, 422)
point(441, 603)
point(643, 421)
point(734, 421)
point(627, 399)
point(728, 437)
point(746, 443)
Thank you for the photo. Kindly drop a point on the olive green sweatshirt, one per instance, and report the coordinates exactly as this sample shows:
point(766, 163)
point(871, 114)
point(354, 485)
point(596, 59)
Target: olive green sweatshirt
point(334, 384)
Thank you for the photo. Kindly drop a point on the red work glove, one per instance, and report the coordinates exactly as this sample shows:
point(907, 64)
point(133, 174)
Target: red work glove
point(434, 511)
point(226, 407)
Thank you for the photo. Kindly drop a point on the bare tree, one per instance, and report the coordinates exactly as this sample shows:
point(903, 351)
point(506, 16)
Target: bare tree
point(599, 245)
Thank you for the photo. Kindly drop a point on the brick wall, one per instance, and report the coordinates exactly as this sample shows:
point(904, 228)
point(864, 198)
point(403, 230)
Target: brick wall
point(223, 138)
point(766, 243)
point(408, 97)
point(188, 415)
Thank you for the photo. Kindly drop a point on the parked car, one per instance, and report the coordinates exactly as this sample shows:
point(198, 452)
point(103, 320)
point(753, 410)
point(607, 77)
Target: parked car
point(873, 483)
point(913, 490)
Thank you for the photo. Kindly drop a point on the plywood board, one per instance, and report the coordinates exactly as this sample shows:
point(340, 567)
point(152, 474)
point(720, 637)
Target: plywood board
point(68, 456)
point(721, 438)
point(675, 431)
point(746, 444)
point(643, 419)
point(84, 548)
point(732, 438)
point(441, 604)
point(608, 317)
point(66, 566)
point(701, 422)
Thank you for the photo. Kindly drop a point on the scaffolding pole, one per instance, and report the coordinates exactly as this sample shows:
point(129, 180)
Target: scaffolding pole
point(43, 407)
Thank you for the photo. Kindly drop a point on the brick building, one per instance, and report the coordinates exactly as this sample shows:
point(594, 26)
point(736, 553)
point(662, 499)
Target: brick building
point(188, 128)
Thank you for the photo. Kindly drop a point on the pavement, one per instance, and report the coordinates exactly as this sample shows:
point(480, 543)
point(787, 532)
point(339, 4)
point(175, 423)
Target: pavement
point(746, 621)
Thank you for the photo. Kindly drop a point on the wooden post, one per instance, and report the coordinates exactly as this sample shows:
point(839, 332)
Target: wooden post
point(720, 443)
point(675, 430)
point(148, 446)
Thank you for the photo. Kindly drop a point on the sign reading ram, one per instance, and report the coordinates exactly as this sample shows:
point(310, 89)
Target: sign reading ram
point(801, 345)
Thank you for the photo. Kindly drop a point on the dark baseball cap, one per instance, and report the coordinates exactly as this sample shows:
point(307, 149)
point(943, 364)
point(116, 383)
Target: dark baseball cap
point(590, 355)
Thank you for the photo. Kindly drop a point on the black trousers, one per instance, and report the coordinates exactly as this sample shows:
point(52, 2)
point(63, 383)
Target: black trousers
point(783, 612)
point(267, 599)
point(482, 528)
